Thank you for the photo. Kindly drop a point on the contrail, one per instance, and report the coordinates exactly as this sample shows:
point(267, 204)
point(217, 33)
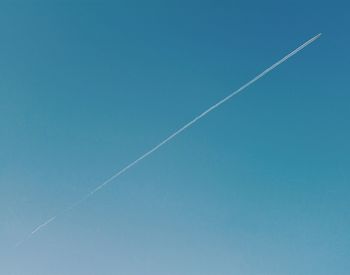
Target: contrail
point(43, 225)
point(173, 135)
point(36, 230)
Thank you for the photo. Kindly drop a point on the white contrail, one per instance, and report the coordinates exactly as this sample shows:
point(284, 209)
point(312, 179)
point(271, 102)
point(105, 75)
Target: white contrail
point(183, 128)
point(36, 230)
point(43, 225)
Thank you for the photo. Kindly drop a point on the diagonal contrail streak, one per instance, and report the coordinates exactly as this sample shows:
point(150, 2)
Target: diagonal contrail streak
point(173, 135)
point(43, 225)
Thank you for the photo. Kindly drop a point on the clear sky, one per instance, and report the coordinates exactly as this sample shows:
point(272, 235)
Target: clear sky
point(260, 186)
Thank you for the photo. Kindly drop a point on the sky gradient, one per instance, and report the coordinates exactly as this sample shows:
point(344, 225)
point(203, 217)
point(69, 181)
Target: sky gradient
point(260, 186)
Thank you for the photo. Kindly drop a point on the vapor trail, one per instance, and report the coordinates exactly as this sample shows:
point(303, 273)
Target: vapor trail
point(173, 135)
point(43, 225)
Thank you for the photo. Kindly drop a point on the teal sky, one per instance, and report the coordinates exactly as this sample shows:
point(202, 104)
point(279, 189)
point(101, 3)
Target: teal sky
point(258, 187)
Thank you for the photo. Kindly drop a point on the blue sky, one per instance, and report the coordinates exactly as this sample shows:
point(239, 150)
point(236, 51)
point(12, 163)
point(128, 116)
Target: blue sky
point(260, 186)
